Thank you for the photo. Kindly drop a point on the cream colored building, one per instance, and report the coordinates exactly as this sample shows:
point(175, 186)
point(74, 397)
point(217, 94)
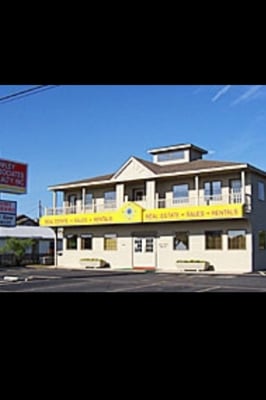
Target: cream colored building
point(177, 207)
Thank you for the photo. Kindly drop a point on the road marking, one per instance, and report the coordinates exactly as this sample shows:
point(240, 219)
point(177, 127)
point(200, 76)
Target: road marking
point(208, 289)
point(133, 288)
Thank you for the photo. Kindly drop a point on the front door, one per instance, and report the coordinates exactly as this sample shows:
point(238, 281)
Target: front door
point(138, 194)
point(144, 252)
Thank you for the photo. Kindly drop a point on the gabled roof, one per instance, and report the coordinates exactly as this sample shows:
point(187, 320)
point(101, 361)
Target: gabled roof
point(84, 181)
point(161, 170)
point(186, 166)
point(130, 161)
point(23, 219)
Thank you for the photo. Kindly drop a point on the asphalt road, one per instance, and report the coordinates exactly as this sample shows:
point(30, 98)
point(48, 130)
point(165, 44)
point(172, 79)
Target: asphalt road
point(65, 280)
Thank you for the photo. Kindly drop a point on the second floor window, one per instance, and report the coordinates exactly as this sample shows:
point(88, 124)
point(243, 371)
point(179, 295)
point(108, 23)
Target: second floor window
point(180, 193)
point(72, 199)
point(109, 199)
point(88, 200)
point(235, 191)
point(261, 191)
point(213, 190)
point(72, 202)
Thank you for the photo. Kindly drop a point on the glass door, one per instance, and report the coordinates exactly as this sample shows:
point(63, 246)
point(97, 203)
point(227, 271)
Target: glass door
point(144, 252)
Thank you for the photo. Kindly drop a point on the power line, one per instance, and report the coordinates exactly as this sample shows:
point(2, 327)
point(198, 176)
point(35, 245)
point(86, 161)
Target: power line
point(23, 93)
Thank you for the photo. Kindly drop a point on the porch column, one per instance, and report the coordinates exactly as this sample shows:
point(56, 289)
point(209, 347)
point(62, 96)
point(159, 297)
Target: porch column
point(119, 194)
point(55, 247)
point(197, 189)
point(243, 186)
point(54, 199)
point(150, 194)
point(83, 195)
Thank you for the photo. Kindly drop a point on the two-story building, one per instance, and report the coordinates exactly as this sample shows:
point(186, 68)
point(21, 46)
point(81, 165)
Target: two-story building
point(150, 214)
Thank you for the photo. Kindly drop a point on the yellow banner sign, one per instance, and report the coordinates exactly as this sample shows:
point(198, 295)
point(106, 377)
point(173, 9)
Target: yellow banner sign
point(133, 213)
point(128, 213)
point(194, 213)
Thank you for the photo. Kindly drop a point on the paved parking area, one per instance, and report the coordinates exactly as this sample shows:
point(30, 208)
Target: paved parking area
point(65, 280)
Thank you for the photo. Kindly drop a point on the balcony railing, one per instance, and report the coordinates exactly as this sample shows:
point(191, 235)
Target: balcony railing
point(235, 198)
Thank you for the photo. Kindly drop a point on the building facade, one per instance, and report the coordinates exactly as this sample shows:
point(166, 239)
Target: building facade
point(43, 243)
point(165, 214)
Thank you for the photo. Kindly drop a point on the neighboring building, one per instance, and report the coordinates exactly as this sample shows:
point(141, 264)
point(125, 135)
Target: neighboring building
point(178, 207)
point(43, 246)
point(25, 220)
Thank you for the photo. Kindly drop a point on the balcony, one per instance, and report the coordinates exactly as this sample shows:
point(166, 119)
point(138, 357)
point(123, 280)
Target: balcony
point(171, 202)
point(101, 206)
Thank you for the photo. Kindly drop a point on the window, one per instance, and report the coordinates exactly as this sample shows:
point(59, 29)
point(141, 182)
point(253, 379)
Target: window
point(181, 241)
point(180, 193)
point(86, 241)
point(144, 244)
point(72, 200)
point(236, 239)
point(235, 190)
point(71, 242)
point(88, 200)
point(138, 194)
point(138, 245)
point(149, 245)
point(213, 190)
point(110, 241)
point(262, 240)
point(171, 155)
point(261, 191)
point(109, 199)
point(213, 240)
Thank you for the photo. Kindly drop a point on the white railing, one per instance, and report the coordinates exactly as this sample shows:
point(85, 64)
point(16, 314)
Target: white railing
point(101, 206)
point(89, 208)
point(202, 200)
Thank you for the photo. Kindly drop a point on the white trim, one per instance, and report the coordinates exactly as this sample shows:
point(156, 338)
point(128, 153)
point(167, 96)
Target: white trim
point(124, 166)
point(177, 147)
point(178, 173)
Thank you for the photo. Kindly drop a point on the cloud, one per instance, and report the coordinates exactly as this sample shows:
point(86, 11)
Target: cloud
point(199, 89)
point(249, 94)
point(221, 92)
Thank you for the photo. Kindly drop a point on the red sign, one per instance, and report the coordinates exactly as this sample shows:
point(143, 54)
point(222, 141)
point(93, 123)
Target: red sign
point(8, 213)
point(13, 177)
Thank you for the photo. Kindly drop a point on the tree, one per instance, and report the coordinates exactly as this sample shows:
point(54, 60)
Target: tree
point(17, 247)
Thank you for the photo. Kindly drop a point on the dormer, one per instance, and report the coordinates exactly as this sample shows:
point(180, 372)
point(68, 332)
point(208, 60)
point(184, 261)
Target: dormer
point(179, 153)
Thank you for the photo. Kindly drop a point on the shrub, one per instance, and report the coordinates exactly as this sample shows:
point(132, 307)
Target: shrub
point(193, 261)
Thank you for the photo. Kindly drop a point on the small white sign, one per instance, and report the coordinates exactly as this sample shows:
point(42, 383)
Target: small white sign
point(7, 220)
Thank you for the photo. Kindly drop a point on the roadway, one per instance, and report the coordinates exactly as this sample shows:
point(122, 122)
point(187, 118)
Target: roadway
point(66, 280)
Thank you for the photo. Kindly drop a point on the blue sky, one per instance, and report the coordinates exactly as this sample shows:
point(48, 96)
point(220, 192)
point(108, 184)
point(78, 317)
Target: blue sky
point(76, 132)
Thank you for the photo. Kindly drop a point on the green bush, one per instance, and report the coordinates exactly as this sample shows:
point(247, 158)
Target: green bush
point(17, 247)
point(193, 261)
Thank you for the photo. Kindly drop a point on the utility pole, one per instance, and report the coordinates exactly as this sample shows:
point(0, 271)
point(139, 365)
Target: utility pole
point(40, 209)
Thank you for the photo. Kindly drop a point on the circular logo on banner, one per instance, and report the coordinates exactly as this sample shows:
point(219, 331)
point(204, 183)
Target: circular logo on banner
point(129, 212)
